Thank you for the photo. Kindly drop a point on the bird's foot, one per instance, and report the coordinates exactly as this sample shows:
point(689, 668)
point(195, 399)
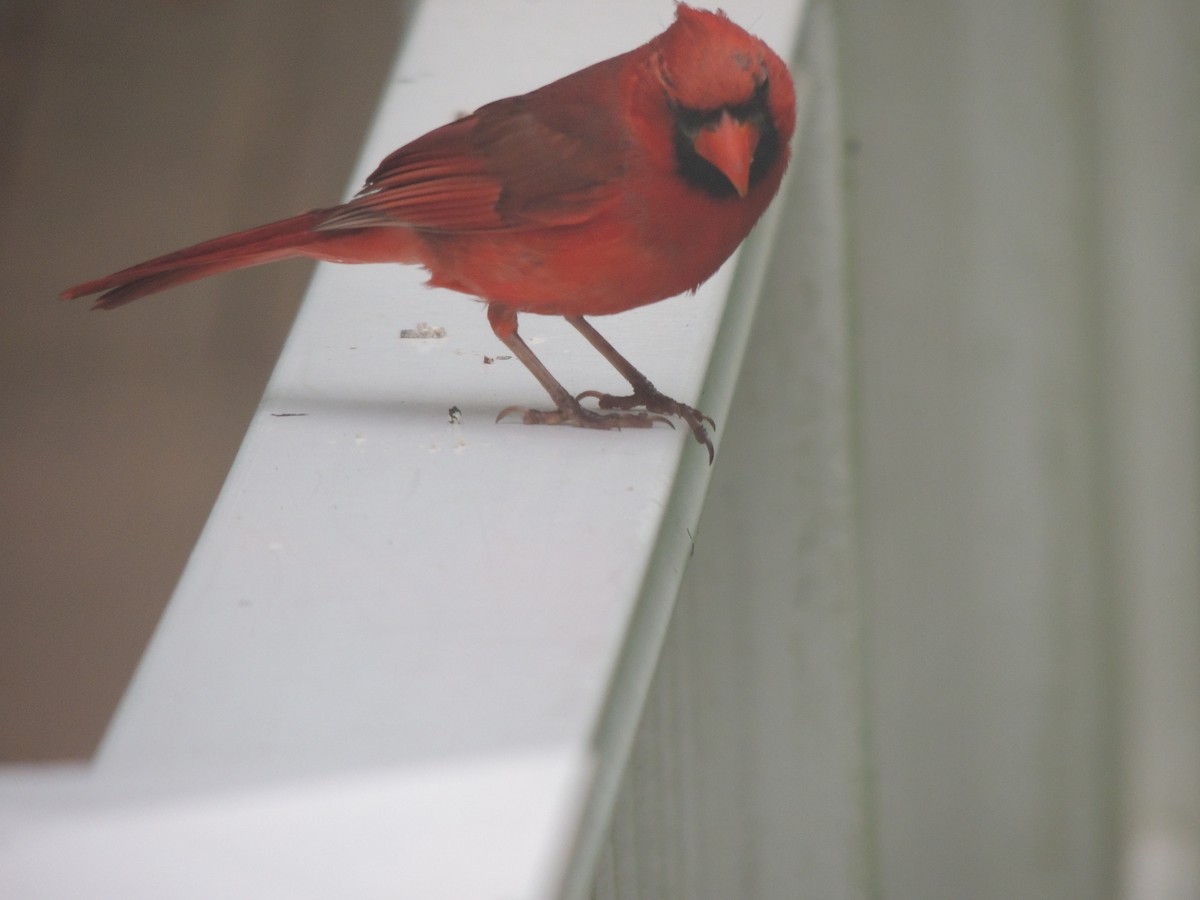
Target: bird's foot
point(649, 398)
point(572, 413)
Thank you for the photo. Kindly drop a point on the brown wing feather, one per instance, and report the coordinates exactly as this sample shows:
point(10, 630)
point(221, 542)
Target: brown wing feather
point(533, 161)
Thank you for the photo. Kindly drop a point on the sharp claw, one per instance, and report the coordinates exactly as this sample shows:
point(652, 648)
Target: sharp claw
point(659, 405)
point(533, 416)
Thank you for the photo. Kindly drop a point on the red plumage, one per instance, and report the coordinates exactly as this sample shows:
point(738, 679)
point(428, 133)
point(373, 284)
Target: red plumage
point(622, 184)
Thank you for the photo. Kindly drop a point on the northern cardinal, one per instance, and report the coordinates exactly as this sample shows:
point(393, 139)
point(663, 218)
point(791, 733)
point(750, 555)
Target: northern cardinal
point(623, 184)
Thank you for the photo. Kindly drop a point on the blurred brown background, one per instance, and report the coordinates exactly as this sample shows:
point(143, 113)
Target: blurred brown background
point(131, 129)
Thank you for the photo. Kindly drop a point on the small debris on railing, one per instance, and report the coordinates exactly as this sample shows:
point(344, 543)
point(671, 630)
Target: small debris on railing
point(423, 331)
point(287, 415)
point(455, 415)
point(488, 360)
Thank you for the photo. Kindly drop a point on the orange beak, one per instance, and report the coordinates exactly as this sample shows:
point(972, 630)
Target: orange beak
point(729, 145)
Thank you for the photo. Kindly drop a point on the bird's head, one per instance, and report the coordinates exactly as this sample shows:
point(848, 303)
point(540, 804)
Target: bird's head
point(731, 99)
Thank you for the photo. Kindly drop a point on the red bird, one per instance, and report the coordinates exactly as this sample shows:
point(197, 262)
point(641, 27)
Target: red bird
point(623, 184)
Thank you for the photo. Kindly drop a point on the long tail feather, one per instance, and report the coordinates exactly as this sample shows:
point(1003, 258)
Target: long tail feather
point(266, 243)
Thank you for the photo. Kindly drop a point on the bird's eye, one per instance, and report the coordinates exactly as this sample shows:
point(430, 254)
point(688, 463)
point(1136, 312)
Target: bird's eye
point(755, 109)
point(692, 121)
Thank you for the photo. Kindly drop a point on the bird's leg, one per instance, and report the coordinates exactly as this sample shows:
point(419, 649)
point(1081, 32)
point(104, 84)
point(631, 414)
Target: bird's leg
point(645, 394)
point(568, 410)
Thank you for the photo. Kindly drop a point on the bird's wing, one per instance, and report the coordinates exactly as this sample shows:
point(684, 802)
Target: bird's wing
point(524, 162)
